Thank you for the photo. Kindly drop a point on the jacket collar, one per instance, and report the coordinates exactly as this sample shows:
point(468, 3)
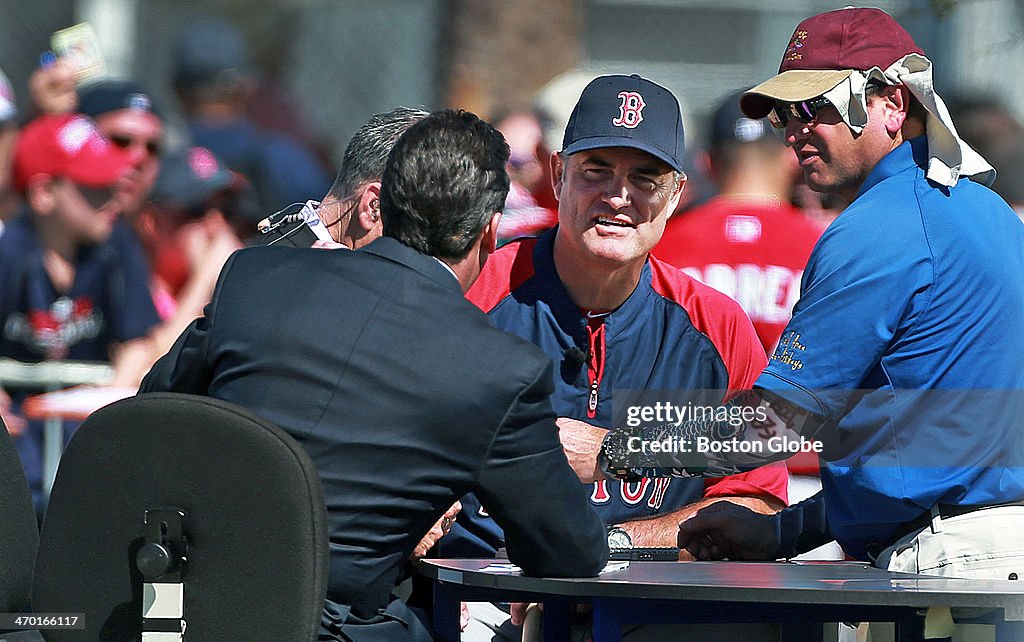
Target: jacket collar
point(397, 252)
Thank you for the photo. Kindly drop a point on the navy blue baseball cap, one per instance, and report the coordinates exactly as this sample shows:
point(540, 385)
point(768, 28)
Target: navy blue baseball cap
point(210, 51)
point(194, 179)
point(730, 125)
point(190, 177)
point(627, 111)
point(111, 95)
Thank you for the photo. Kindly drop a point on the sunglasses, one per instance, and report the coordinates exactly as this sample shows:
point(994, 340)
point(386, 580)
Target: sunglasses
point(125, 142)
point(805, 111)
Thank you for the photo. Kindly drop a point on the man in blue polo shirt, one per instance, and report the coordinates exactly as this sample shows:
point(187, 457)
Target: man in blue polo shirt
point(905, 343)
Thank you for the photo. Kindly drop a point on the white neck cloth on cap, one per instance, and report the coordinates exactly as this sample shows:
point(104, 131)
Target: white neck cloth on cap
point(949, 157)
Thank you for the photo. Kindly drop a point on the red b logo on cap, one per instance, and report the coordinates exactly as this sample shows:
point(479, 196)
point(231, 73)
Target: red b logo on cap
point(631, 110)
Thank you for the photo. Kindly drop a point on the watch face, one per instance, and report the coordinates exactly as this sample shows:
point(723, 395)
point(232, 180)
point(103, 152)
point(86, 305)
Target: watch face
point(616, 449)
point(619, 538)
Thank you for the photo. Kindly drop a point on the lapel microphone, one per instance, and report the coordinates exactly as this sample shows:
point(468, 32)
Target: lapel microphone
point(576, 355)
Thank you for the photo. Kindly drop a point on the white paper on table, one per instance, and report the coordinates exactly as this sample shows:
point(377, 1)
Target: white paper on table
point(506, 567)
point(613, 566)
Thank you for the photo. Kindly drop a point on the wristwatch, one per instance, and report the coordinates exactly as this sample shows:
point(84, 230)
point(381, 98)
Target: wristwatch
point(618, 538)
point(615, 455)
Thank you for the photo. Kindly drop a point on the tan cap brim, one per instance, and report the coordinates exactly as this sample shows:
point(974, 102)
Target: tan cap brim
point(790, 86)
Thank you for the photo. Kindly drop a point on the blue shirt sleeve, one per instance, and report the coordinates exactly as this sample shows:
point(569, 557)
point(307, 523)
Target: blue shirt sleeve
point(857, 296)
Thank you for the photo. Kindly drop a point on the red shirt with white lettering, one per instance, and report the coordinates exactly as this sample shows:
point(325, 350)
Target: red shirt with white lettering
point(752, 250)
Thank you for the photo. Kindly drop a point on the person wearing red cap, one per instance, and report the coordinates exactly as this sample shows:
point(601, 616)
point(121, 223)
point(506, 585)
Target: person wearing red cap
point(904, 347)
point(66, 291)
point(122, 110)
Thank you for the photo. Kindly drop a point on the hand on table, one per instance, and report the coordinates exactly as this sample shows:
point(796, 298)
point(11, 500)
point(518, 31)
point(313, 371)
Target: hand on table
point(725, 530)
point(582, 445)
point(437, 531)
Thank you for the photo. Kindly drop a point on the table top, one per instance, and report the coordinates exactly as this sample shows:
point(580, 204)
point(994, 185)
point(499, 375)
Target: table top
point(838, 583)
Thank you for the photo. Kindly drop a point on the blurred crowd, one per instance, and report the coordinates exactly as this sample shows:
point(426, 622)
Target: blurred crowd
point(111, 243)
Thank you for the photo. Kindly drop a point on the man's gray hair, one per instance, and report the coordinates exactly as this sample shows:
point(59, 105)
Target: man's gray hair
point(368, 150)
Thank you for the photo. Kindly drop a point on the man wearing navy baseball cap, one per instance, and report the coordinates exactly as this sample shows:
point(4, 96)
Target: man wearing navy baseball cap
point(611, 316)
point(126, 114)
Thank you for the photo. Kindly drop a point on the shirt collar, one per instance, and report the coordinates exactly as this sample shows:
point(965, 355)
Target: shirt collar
point(896, 161)
point(447, 267)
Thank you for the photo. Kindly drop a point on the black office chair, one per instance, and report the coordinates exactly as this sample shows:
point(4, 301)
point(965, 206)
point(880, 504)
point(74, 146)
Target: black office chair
point(19, 532)
point(175, 514)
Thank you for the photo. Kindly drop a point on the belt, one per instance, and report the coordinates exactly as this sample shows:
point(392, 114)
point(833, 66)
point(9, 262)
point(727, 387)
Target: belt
point(922, 521)
point(945, 511)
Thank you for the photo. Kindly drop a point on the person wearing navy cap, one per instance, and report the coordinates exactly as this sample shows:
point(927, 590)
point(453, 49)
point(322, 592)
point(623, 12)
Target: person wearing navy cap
point(214, 79)
point(126, 114)
point(199, 213)
point(610, 316)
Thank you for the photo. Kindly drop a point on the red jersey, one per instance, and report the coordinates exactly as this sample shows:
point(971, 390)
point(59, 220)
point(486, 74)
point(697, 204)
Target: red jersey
point(753, 251)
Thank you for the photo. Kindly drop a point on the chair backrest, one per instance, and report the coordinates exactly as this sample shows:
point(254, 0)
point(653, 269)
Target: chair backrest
point(253, 524)
point(19, 531)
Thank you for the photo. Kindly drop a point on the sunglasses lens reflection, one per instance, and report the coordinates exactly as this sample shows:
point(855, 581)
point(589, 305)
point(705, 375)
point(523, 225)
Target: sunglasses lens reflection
point(152, 147)
point(805, 111)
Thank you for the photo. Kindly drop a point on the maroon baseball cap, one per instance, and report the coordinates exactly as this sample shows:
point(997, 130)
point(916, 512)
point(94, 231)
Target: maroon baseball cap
point(825, 49)
point(68, 146)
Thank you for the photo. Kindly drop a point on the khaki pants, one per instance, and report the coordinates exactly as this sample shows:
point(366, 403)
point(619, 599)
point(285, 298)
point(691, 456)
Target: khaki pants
point(983, 544)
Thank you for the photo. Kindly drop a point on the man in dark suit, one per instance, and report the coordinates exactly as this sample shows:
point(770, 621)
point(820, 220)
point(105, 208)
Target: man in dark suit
point(402, 392)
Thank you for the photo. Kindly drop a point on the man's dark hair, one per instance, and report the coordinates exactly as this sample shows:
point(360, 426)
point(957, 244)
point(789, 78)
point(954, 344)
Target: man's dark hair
point(443, 181)
point(369, 147)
